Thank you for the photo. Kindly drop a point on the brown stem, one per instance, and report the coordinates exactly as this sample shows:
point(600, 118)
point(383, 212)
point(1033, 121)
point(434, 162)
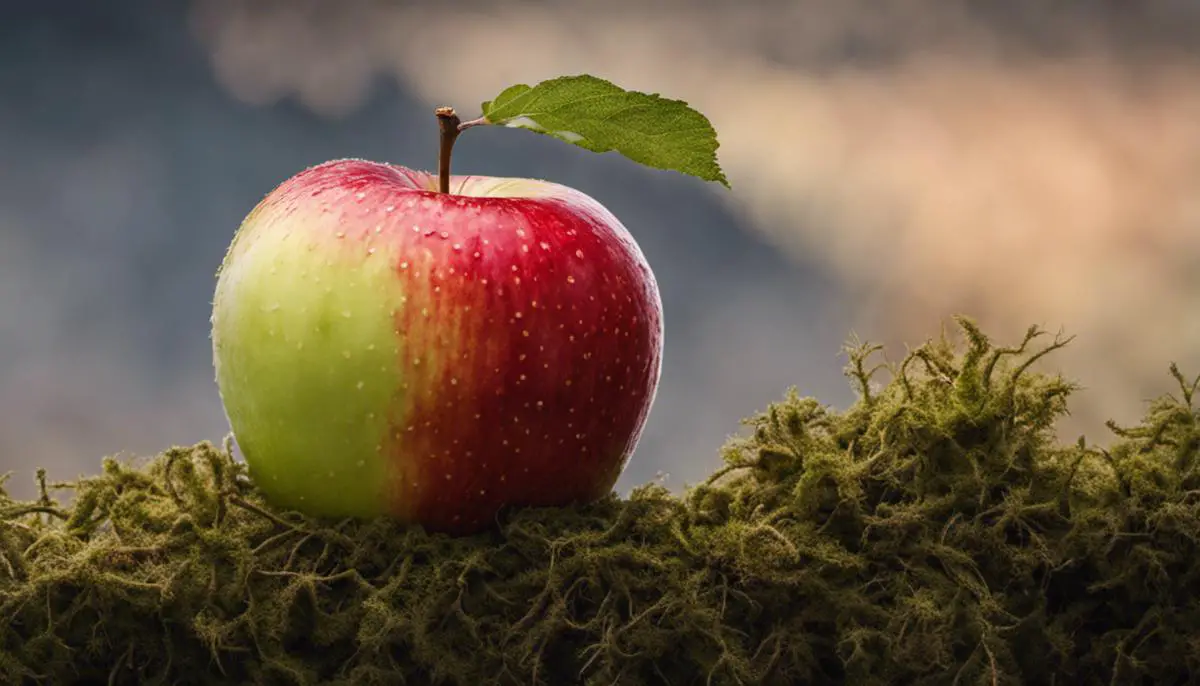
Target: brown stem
point(448, 123)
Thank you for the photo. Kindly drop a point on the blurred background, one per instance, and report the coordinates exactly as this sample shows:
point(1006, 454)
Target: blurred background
point(893, 163)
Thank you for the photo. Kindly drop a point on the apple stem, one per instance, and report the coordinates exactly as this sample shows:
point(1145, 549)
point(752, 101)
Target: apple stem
point(474, 122)
point(448, 123)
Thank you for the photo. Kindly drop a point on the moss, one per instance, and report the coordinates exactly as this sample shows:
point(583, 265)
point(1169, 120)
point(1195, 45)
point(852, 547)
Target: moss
point(933, 533)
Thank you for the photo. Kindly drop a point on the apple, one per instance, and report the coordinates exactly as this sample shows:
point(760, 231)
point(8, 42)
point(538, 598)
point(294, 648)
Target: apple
point(385, 348)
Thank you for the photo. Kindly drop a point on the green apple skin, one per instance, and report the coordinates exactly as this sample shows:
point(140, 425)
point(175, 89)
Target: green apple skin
point(384, 349)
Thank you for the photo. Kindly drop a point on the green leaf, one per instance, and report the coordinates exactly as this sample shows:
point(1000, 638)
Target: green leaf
point(600, 116)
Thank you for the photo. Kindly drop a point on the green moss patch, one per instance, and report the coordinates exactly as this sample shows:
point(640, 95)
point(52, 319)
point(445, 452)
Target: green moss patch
point(933, 533)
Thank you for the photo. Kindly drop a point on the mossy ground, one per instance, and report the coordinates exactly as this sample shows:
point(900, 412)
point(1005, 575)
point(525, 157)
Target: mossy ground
point(933, 533)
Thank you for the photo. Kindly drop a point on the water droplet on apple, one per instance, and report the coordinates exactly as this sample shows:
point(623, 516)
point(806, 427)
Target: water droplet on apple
point(359, 385)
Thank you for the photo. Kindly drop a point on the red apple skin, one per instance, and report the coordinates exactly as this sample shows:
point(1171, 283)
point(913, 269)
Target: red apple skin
point(526, 332)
